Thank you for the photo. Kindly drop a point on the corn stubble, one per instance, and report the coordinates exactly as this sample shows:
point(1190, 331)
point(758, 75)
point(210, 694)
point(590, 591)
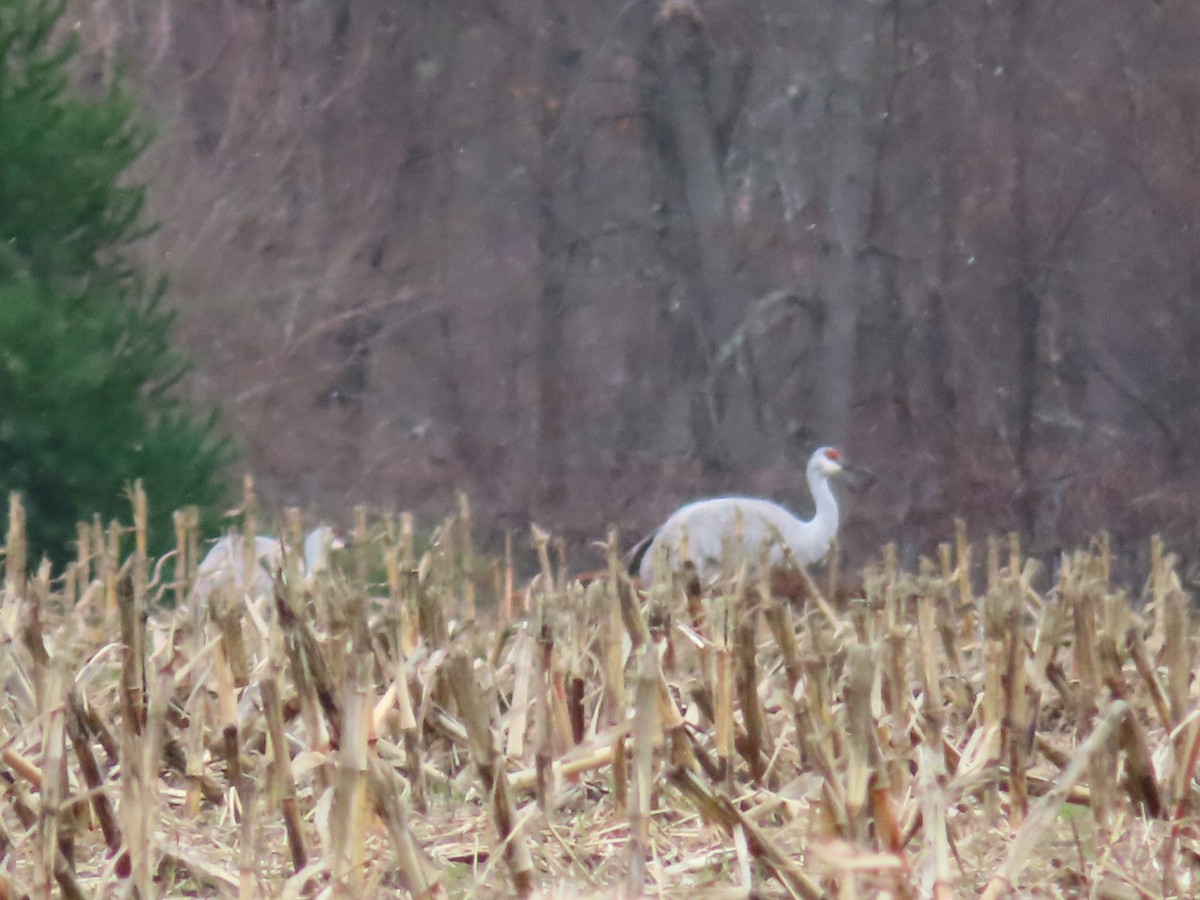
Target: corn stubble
point(410, 722)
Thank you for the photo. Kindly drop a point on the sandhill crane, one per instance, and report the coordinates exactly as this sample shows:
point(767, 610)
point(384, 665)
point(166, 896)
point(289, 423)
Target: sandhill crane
point(224, 564)
point(767, 528)
point(321, 541)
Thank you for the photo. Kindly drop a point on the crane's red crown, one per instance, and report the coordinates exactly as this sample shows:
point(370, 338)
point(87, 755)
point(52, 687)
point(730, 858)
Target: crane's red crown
point(834, 455)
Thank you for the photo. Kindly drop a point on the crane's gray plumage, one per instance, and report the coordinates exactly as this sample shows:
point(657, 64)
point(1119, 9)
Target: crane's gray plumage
point(224, 564)
point(768, 531)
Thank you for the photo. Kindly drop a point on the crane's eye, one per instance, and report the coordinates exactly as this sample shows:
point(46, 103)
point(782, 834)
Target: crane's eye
point(833, 455)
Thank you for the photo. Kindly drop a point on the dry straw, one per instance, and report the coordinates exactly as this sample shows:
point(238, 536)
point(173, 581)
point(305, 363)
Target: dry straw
point(413, 722)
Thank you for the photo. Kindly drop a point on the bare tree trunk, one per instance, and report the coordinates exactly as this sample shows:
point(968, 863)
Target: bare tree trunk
point(1185, 398)
point(939, 349)
point(855, 57)
point(881, 238)
point(689, 101)
point(452, 395)
point(939, 346)
point(938, 342)
point(552, 395)
point(1025, 292)
point(1189, 447)
point(555, 248)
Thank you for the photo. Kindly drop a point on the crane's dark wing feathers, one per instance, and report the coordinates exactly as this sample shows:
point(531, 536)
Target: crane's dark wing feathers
point(638, 553)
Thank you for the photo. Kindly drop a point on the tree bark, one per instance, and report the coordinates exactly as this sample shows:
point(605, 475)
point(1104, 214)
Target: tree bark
point(846, 282)
point(938, 340)
point(555, 249)
point(689, 99)
point(1025, 291)
point(882, 238)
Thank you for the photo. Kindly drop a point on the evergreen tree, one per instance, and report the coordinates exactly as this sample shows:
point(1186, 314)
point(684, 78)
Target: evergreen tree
point(86, 365)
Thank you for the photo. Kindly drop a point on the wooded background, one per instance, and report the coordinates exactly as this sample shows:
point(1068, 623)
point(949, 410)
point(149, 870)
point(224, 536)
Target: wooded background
point(587, 260)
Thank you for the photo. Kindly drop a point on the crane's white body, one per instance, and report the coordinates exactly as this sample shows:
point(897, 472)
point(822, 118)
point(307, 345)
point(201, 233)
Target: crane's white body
point(317, 547)
point(224, 566)
point(769, 533)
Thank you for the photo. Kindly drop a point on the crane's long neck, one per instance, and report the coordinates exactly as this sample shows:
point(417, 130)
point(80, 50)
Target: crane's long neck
point(821, 528)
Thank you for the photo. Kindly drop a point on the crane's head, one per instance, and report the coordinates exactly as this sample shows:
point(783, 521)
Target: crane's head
point(827, 461)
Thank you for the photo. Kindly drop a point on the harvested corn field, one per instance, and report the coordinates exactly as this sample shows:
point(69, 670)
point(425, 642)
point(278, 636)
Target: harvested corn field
point(412, 719)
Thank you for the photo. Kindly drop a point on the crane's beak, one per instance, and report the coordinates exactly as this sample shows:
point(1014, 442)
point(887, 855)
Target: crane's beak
point(858, 476)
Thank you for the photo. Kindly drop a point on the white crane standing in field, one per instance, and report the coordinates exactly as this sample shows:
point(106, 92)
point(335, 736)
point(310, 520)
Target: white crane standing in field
point(766, 528)
point(225, 565)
